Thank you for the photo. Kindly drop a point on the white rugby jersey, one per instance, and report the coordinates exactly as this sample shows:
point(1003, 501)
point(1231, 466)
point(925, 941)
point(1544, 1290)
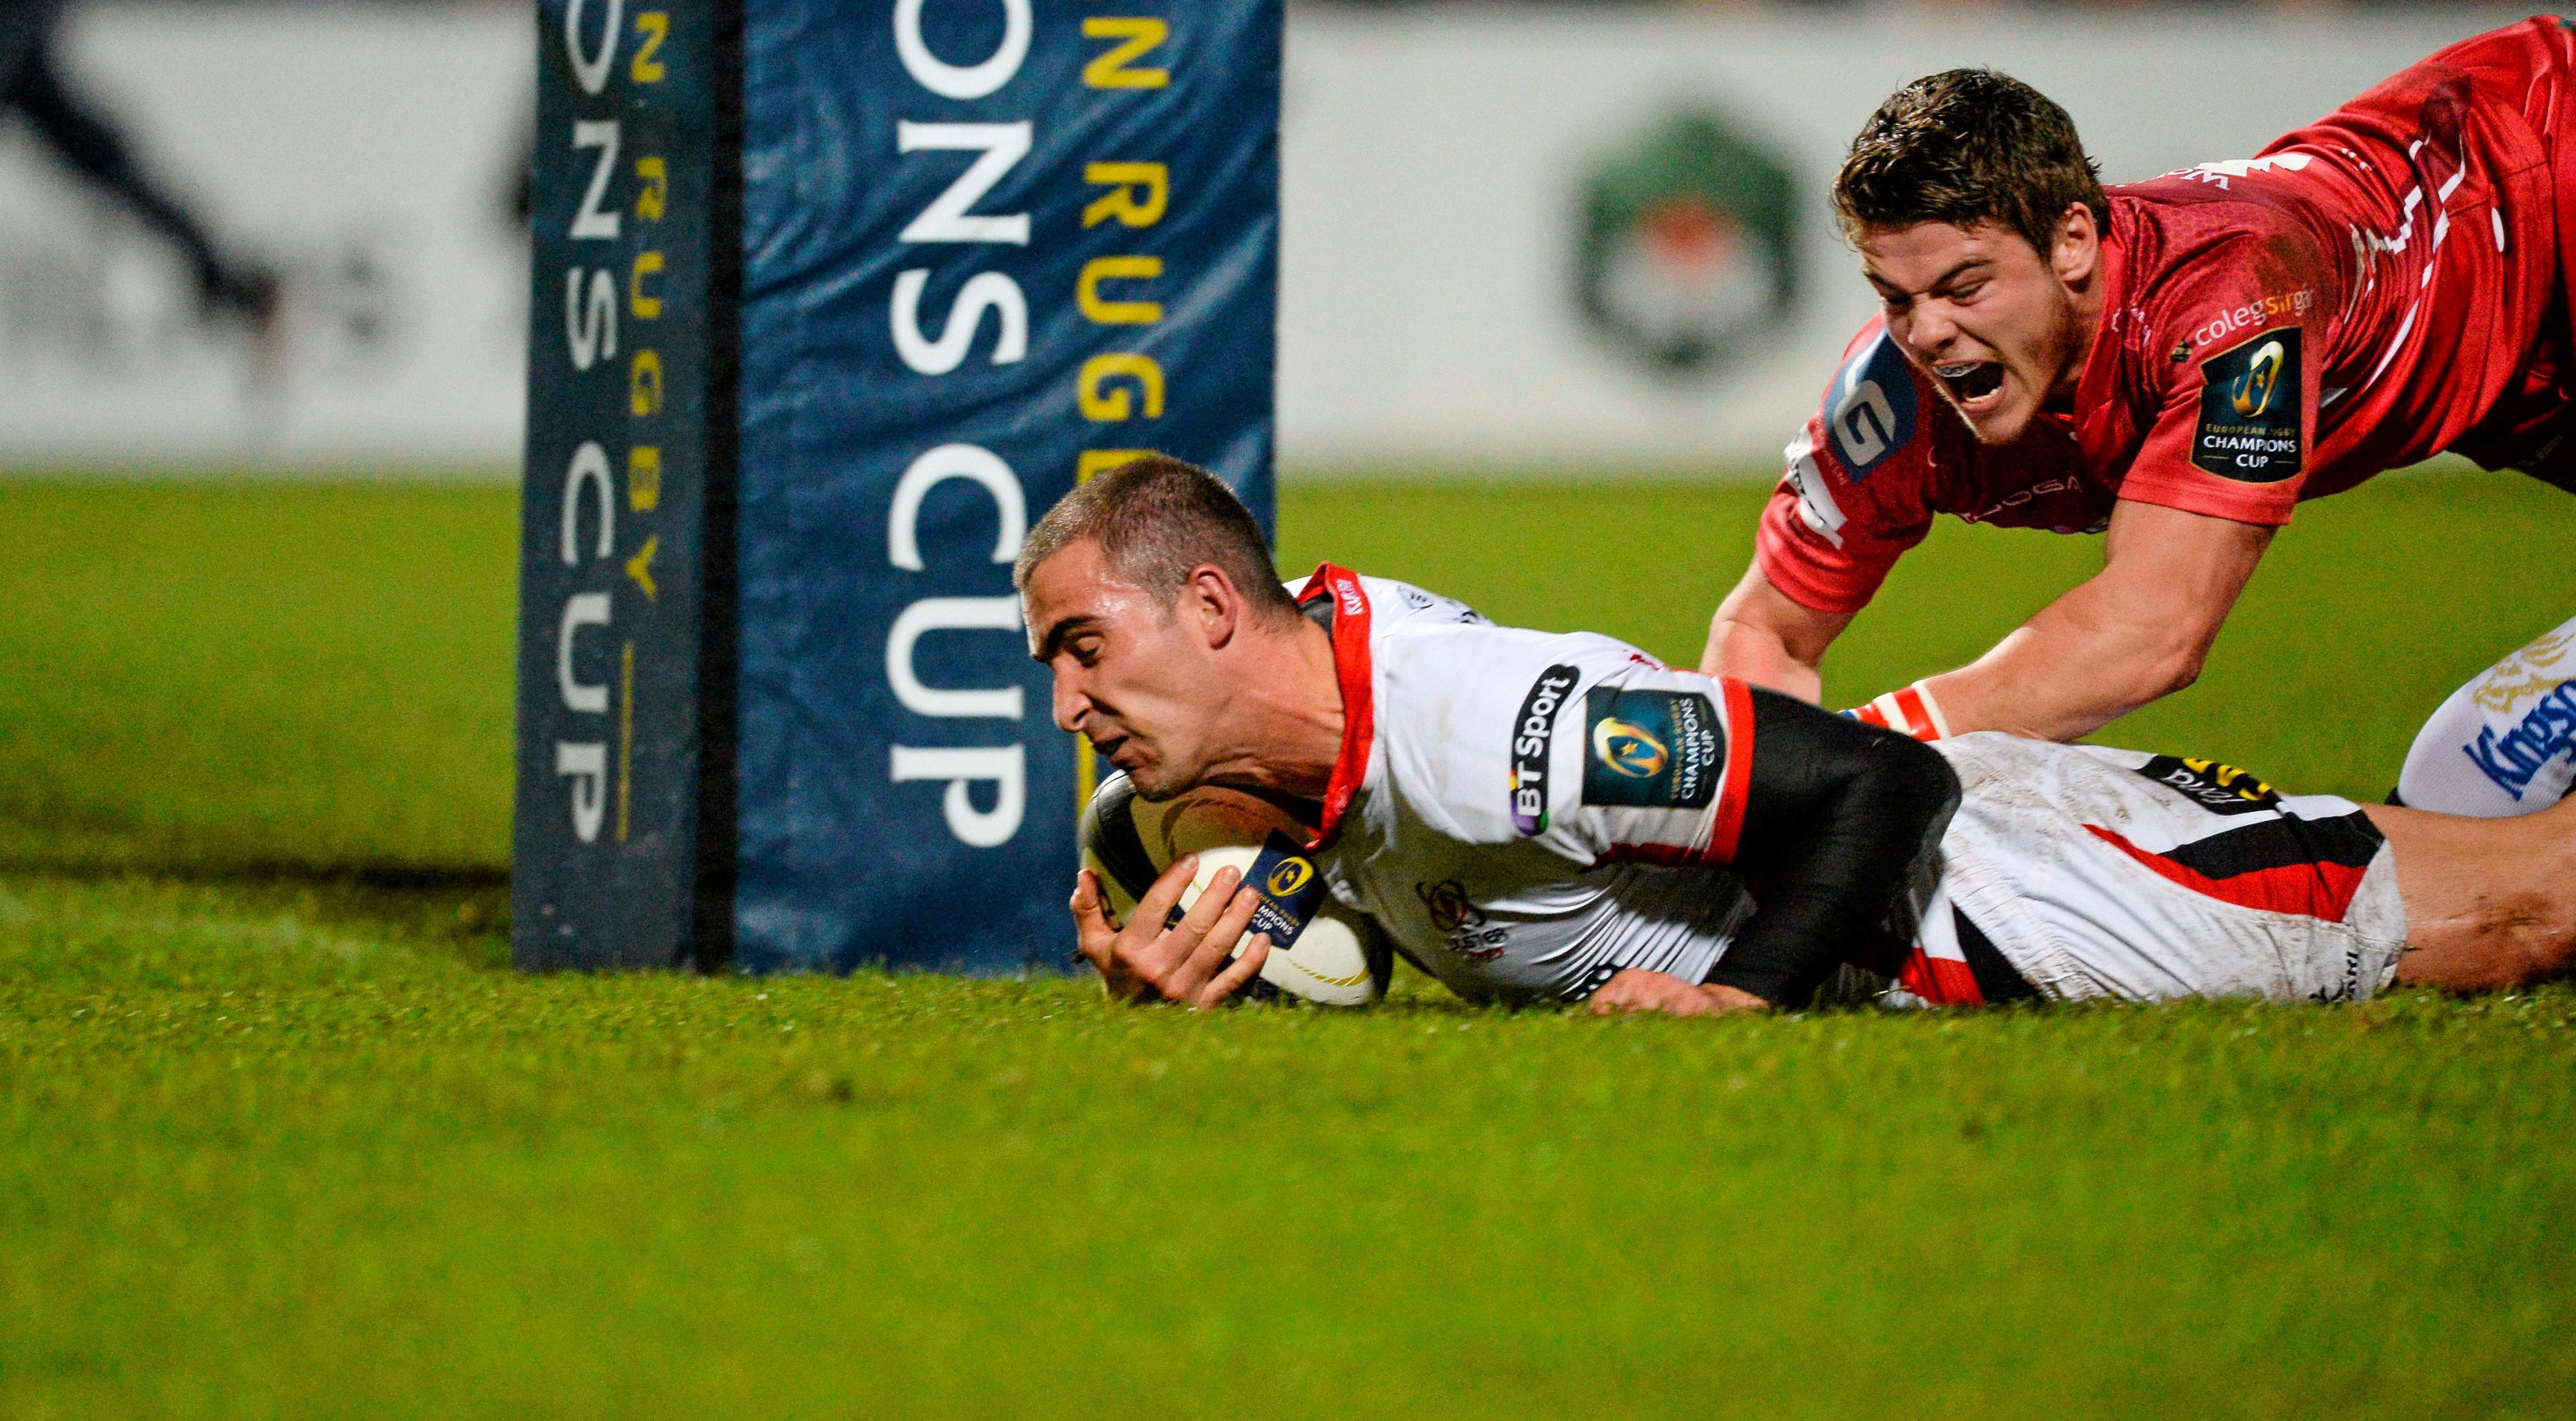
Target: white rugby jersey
point(1523, 812)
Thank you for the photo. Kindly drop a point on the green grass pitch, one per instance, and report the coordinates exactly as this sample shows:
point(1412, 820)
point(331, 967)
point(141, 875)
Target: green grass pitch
point(281, 1134)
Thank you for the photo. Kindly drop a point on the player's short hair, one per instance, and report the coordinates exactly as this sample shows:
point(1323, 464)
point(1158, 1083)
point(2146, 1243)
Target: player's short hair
point(1968, 146)
point(1155, 519)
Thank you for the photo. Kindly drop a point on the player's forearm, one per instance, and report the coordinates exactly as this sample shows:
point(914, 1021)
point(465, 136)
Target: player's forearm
point(1837, 815)
point(1758, 656)
point(2133, 632)
point(1763, 637)
point(2071, 670)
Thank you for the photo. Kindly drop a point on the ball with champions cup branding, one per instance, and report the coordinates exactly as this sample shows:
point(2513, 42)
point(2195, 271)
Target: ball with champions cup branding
point(1320, 951)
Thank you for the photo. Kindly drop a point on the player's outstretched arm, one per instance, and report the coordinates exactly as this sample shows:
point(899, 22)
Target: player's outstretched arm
point(1837, 815)
point(1185, 962)
point(2134, 632)
point(1762, 637)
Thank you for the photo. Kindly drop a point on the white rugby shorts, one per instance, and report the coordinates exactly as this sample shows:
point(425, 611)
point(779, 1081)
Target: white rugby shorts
point(2114, 873)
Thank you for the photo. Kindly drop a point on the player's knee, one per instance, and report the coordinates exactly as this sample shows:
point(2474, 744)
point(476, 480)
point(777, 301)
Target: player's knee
point(2535, 934)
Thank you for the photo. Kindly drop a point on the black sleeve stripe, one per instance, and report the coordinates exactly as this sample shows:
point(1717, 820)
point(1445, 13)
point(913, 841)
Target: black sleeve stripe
point(2282, 841)
point(1109, 831)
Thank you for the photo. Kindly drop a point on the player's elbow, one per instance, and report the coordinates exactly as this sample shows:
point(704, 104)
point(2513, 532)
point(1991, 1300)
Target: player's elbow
point(2173, 665)
point(1907, 795)
point(1924, 783)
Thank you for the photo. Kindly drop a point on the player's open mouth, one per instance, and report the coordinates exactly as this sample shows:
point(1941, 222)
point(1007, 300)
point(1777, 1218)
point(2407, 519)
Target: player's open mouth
point(1971, 381)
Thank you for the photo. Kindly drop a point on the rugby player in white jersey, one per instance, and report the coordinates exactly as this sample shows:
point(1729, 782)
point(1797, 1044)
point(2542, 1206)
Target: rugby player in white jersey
point(1533, 816)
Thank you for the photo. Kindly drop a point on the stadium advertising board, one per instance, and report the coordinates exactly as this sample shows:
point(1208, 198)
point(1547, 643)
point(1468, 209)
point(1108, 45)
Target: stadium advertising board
point(993, 245)
point(624, 597)
point(986, 248)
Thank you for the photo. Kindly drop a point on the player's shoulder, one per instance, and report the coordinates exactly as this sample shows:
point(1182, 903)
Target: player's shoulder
point(1443, 686)
point(1468, 717)
point(1394, 603)
point(1444, 663)
point(2274, 188)
point(2225, 229)
point(1874, 413)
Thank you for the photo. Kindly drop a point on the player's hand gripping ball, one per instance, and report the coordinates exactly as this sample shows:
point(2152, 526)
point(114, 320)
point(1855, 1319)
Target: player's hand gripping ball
point(1319, 951)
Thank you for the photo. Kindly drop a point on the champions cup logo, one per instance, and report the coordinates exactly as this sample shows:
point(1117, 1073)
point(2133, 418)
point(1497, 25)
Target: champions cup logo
point(1288, 877)
point(2250, 410)
point(1652, 748)
point(2253, 392)
point(1630, 749)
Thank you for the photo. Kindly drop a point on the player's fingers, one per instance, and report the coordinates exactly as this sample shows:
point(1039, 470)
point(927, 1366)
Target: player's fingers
point(1090, 912)
point(1204, 938)
point(1155, 907)
point(1630, 989)
point(1097, 937)
point(1100, 895)
point(1095, 932)
point(1244, 969)
point(1181, 937)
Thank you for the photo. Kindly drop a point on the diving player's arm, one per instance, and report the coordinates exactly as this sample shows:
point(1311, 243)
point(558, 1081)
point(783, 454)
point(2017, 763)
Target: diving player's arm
point(2219, 468)
point(2134, 632)
point(1853, 497)
point(1764, 638)
point(1836, 815)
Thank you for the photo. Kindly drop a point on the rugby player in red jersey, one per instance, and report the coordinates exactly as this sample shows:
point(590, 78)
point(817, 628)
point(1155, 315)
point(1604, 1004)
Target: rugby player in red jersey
point(2179, 362)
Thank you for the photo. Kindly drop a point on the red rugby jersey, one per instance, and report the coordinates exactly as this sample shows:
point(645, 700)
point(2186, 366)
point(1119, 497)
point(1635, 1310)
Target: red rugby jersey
point(2370, 290)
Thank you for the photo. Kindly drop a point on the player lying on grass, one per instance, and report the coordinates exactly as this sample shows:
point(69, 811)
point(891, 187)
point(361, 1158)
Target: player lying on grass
point(2181, 361)
point(1599, 816)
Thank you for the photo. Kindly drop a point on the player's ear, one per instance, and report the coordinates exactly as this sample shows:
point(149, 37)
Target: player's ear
point(1212, 599)
point(2077, 252)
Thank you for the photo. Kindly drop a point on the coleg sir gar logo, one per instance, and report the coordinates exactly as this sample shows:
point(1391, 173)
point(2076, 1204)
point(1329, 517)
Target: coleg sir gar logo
point(1630, 750)
point(2253, 392)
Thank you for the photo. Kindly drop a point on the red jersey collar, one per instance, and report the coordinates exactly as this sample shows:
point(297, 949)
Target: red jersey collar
point(1350, 635)
point(2111, 333)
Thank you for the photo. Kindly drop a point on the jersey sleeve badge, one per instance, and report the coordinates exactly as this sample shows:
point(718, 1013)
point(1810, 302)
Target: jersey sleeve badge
point(2249, 410)
point(1651, 748)
point(1869, 411)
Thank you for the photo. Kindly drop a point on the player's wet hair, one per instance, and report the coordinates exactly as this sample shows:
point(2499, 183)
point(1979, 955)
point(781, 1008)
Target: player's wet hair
point(1968, 146)
point(1156, 518)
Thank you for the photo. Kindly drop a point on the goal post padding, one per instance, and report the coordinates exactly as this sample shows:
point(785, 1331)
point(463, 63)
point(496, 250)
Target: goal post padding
point(830, 302)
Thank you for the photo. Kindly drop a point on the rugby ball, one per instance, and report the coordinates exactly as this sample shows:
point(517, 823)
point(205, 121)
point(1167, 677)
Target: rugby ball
point(1320, 951)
